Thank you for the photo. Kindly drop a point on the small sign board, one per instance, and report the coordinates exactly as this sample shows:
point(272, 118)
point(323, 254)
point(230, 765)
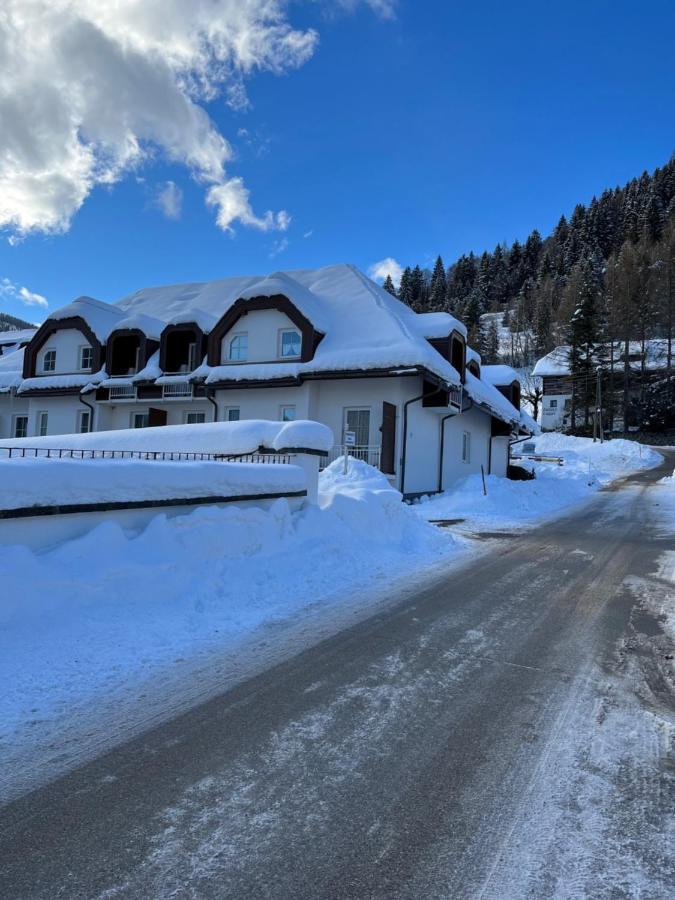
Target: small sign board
point(528, 448)
point(350, 439)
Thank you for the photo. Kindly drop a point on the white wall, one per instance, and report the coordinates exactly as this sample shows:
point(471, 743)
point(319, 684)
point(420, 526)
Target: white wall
point(478, 425)
point(62, 414)
point(263, 327)
point(10, 405)
point(500, 456)
point(67, 343)
point(553, 410)
point(118, 415)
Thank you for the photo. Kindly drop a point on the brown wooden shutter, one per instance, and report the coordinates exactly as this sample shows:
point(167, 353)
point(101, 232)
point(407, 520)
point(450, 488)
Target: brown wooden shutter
point(388, 430)
point(156, 416)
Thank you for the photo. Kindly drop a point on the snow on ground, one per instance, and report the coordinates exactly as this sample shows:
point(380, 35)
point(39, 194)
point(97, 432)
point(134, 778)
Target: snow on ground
point(86, 627)
point(112, 632)
point(514, 504)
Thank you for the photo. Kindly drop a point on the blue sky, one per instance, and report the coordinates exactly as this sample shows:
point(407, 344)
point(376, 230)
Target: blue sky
point(441, 127)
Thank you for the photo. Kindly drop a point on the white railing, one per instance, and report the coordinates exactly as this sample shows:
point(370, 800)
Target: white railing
point(371, 455)
point(122, 392)
point(176, 391)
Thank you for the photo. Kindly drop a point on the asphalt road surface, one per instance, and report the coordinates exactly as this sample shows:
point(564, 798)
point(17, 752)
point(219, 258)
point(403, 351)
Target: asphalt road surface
point(504, 733)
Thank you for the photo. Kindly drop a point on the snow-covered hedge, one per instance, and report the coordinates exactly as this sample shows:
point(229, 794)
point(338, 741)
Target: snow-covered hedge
point(211, 437)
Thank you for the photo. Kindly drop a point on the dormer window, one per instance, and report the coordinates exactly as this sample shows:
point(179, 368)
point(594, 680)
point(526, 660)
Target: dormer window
point(290, 344)
point(86, 358)
point(238, 350)
point(49, 361)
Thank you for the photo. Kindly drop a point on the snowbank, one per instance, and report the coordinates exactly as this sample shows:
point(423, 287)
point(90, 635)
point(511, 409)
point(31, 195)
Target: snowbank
point(210, 437)
point(61, 482)
point(91, 628)
point(511, 504)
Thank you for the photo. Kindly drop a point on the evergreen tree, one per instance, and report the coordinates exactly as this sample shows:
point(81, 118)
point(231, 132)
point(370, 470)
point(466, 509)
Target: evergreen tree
point(439, 287)
point(405, 287)
point(388, 285)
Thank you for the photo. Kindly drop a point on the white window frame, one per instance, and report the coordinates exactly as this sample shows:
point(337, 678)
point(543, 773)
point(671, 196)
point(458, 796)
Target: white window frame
point(39, 423)
point(192, 356)
point(282, 332)
point(81, 353)
point(194, 412)
point(285, 407)
point(139, 412)
point(466, 446)
point(15, 422)
point(230, 341)
point(44, 360)
point(231, 409)
point(81, 414)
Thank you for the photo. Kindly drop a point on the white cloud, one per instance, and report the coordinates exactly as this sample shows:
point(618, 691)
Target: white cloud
point(279, 246)
point(385, 9)
point(309, 233)
point(169, 200)
point(232, 204)
point(387, 266)
point(30, 298)
point(91, 90)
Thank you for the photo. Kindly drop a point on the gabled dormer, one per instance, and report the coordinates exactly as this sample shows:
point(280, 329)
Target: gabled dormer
point(262, 329)
point(453, 349)
point(131, 344)
point(71, 340)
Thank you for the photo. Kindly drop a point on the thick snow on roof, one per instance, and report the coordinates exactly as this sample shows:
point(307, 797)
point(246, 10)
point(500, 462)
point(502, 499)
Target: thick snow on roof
point(149, 325)
point(18, 336)
point(483, 393)
point(101, 317)
point(473, 356)
point(67, 380)
point(438, 324)
point(499, 375)
point(11, 367)
point(204, 320)
point(211, 437)
point(557, 363)
point(528, 423)
point(364, 326)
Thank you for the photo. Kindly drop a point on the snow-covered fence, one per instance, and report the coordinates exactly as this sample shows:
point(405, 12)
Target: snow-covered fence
point(57, 487)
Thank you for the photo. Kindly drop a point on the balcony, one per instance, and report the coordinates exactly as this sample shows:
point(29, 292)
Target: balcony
point(179, 391)
point(122, 392)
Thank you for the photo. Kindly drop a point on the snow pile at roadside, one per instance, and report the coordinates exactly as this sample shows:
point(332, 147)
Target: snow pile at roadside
point(210, 437)
point(510, 504)
point(61, 482)
point(97, 619)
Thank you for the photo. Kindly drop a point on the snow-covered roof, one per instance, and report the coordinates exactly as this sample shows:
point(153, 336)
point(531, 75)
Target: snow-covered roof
point(101, 317)
point(59, 382)
point(16, 336)
point(486, 395)
point(438, 325)
point(364, 327)
point(11, 367)
point(557, 362)
point(499, 375)
point(149, 325)
point(528, 424)
point(473, 356)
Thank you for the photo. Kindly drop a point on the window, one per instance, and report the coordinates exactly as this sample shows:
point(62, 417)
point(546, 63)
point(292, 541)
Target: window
point(287, 413)
point(84, 421)
point(553, 403)
point(290, 344)
point(238, 348)
point(466, 446)
point(86, 357)
point(41, 428)
point(139, 420)
point(49, 361)
point(232, 414)
point(192, 357)
point(358, 421)
point(20, 426)
point(195, 418)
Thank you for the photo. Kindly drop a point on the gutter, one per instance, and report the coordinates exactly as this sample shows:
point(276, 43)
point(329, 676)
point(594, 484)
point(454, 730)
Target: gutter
point(90, 408)
point(209, 397)
point(404, 446)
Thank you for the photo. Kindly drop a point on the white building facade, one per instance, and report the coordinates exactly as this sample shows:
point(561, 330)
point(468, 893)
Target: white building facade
point(327, 345)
